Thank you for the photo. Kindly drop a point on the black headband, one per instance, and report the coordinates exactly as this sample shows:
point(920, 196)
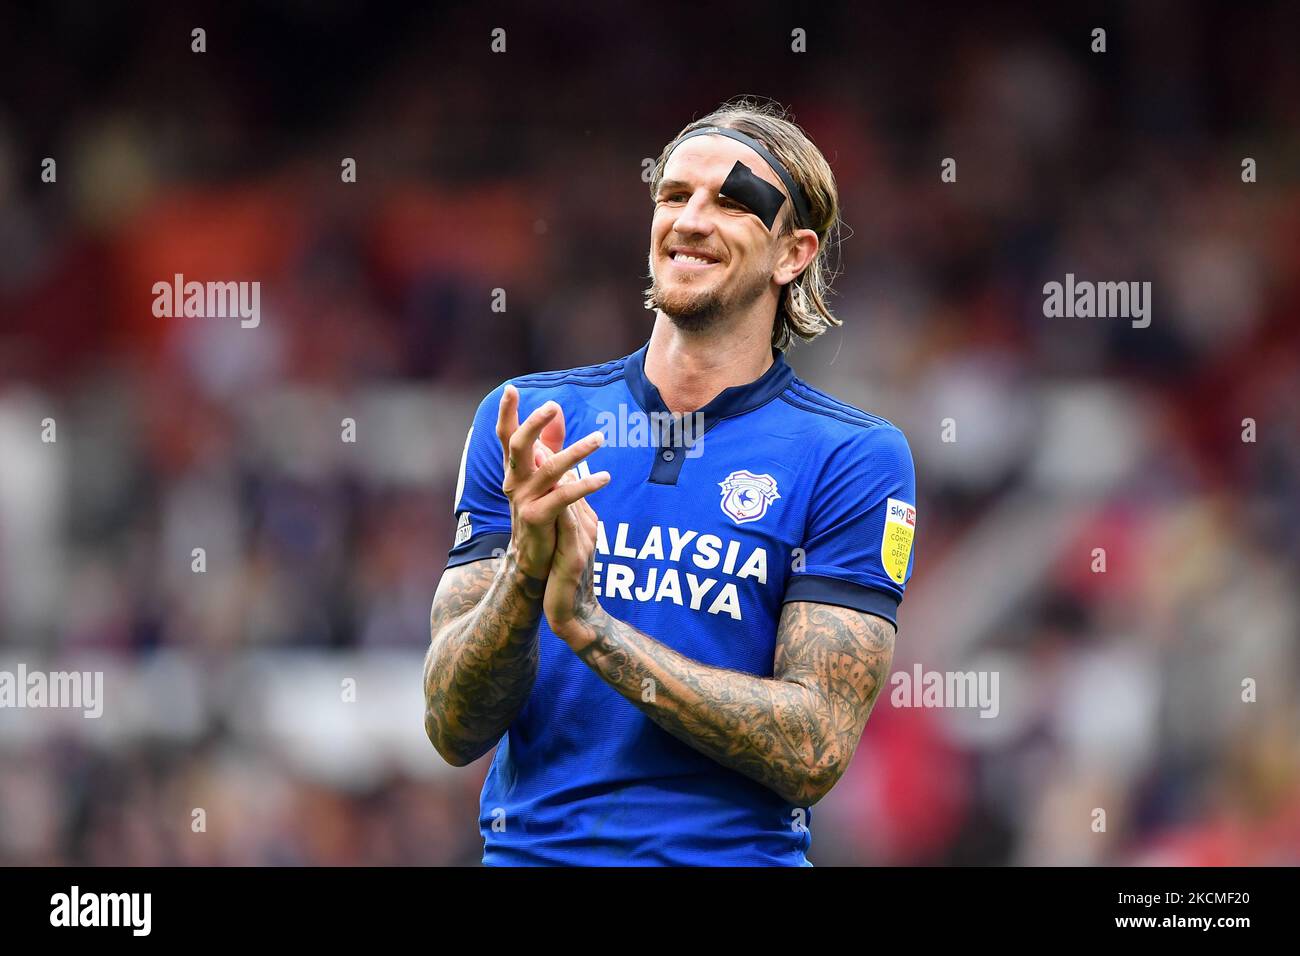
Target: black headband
point(802, 216)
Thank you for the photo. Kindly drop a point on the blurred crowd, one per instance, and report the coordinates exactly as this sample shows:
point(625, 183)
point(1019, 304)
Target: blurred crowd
point(1163, 690)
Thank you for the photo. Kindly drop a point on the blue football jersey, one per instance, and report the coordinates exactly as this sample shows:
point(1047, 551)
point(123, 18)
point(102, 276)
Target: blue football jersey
point(773, 492)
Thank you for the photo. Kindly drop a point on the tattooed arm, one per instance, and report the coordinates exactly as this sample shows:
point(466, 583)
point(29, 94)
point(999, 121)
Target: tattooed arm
point(483, 652)
point(482, 659)
point(794, 732)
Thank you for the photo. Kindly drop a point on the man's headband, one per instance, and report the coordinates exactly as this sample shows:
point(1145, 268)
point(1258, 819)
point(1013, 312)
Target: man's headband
point(742, 185)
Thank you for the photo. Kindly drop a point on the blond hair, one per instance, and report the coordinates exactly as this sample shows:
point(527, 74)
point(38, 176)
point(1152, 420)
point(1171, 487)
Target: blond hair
point(802, 311)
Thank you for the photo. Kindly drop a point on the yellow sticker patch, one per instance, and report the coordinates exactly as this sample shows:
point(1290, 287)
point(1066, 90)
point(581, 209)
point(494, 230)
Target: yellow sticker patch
point(896, 546)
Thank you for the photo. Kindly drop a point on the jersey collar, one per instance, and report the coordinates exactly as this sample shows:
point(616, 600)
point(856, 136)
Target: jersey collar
point(736, 400)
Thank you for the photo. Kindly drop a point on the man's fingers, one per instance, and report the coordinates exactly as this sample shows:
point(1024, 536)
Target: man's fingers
point(550, 505)
point(579, 515)
point(519, 457)
point(567, 523)
point(554, 469)
point(587, 516)
point(507, 416)
point(553, 433)
point(542, 454)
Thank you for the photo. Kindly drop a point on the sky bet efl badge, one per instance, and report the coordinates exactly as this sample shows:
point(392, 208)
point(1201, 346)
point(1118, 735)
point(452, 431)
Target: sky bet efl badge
point(745, 497)
point(900, 528)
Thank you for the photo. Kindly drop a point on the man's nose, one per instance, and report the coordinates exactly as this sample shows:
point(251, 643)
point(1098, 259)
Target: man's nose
point(695, 217)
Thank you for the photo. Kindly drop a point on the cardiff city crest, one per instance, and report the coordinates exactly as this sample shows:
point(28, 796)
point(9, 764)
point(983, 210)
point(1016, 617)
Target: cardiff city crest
point(745, 496)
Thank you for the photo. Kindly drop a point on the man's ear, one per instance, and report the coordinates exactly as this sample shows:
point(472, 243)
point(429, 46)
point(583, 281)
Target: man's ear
point(799, 254)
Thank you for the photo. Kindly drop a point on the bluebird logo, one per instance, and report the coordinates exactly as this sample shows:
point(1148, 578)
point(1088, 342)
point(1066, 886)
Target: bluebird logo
point(745, 496)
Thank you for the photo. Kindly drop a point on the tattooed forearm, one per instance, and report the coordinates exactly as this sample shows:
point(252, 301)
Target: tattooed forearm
point(796, 732)
point(482, 660)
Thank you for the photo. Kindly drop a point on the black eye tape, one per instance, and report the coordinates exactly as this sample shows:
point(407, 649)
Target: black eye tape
point(763, 199)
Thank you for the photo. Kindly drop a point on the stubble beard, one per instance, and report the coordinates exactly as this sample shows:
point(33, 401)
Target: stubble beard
point(695, 310)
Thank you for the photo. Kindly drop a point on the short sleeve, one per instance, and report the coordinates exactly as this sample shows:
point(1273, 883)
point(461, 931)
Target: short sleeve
point(858, 542)
point(481, 508)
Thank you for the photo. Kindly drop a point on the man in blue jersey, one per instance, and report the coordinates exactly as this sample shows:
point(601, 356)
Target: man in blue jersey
point(676, 626)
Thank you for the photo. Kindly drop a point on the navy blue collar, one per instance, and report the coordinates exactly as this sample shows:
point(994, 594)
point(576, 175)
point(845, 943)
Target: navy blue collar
point(735, 400)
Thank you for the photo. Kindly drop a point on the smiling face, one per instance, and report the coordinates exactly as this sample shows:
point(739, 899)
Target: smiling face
point(710, 256)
